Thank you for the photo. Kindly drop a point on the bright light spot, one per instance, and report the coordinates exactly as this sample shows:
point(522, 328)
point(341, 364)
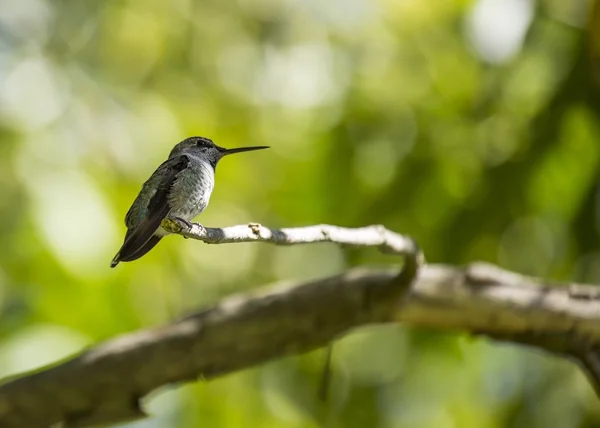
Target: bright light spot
point(237, 66)
point(341, 13)
point(497, 28)
point(301, 77)
point(156, 129)
point(74, 219)
point(26, 19)
point(33, 95)
point(37, 346)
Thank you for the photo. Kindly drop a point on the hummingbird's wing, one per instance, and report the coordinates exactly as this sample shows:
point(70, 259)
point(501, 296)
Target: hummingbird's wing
point(148, 210)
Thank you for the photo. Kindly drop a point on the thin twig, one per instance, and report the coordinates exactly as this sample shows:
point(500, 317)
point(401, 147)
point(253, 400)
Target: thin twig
point(325, 380)
point(369, 236)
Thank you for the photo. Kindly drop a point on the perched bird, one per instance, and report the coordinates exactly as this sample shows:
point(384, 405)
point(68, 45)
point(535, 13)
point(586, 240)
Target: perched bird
point(180, 188)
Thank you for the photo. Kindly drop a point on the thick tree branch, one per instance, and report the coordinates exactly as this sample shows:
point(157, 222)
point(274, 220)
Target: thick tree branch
point(104, 384)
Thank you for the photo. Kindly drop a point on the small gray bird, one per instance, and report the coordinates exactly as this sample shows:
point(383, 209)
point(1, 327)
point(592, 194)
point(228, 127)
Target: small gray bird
point(180, 188)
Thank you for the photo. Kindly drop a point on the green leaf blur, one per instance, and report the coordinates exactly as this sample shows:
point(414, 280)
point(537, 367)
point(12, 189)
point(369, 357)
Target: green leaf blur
point(470, 125)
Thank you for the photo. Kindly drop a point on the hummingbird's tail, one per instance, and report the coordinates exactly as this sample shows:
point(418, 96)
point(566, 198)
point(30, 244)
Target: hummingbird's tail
point(115, 261)
point(128, 254)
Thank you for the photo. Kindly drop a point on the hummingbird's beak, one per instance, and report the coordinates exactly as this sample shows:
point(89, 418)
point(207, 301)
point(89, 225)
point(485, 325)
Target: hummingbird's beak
point(242, 149)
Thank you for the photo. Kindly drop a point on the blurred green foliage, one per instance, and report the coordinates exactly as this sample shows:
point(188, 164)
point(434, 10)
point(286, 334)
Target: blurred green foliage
point(470, 125)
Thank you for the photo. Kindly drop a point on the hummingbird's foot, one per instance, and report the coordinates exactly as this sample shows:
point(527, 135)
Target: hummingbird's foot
point(171, 225)
point(181, 224)
point(187, 223)
point(184, 221)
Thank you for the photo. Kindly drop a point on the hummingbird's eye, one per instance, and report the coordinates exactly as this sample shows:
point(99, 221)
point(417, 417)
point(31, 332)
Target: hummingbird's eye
point(203, 143)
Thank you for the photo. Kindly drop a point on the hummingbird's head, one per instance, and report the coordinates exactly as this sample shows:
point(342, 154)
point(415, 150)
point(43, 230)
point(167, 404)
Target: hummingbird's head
point(205, 148)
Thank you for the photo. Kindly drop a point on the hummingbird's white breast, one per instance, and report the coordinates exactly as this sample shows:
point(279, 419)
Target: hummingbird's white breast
point(191, 191)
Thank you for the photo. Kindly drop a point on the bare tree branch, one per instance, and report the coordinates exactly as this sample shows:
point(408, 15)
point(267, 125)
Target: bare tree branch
point(370, 236)
point(104, 385)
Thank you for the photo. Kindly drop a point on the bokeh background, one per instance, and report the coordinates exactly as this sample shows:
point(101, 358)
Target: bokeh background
point(470, 125)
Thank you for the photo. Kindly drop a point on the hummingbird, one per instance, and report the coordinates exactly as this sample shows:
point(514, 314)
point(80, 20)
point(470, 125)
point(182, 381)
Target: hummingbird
point(180, 188)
